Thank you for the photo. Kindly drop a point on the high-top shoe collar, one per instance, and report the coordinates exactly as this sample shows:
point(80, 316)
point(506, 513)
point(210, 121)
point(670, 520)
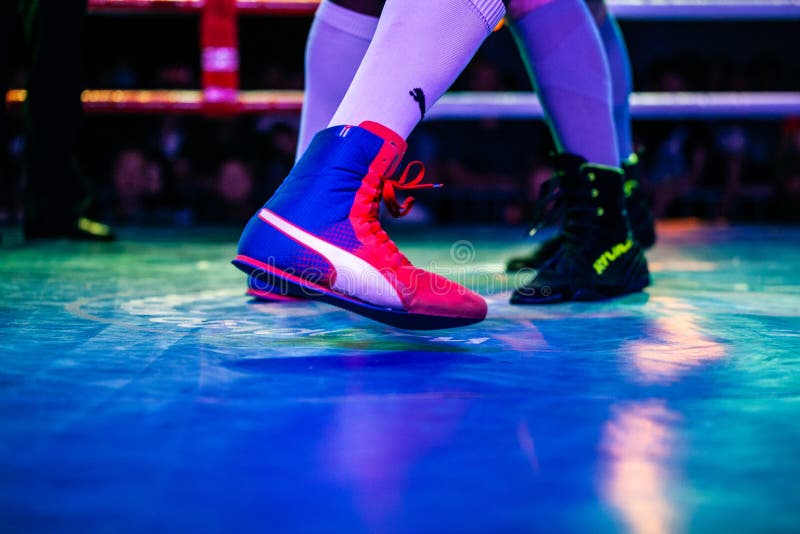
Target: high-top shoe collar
point(567, 167)
point(604, 185)
point(394, 148)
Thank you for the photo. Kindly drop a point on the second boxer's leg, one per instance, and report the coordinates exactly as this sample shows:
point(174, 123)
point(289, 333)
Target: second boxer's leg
point(564, 54)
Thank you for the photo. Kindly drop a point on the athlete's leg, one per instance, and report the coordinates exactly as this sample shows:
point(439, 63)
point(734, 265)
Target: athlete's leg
point(419, 49)
point(339, 38)
point(57, 196)
point(53, 115)
point(619, 63)
point(620, 69)
point(594, 255)
point(564, 55)
point(319, 236)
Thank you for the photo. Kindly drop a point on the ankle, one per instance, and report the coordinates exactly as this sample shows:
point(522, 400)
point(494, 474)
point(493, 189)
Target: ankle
point(608, 199)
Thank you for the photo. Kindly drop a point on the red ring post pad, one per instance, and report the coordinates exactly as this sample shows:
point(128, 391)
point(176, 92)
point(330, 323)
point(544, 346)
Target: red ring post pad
point(220, 57)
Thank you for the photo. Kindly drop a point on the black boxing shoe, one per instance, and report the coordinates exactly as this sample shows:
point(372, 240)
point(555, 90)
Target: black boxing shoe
point(637, 205)
point(597, 256)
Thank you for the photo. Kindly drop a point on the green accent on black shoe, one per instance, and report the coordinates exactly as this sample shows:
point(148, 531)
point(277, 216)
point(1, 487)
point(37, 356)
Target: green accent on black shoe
point(597, 256)
point(640, 212)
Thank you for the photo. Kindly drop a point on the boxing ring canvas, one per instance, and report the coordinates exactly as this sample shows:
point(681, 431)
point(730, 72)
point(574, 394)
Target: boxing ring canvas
point(139, 392)
point(141, 389)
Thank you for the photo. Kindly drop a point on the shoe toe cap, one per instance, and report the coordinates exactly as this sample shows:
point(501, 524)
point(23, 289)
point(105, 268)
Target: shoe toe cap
point(432, 294)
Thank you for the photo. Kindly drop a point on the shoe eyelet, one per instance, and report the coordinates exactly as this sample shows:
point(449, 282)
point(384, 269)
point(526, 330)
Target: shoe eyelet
point(591, 177)
point(600, 212)
point(595, 193)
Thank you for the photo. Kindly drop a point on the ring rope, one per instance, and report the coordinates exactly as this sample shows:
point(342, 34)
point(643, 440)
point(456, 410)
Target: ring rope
point(452, 106)
point(623, 9)
point(220, 94)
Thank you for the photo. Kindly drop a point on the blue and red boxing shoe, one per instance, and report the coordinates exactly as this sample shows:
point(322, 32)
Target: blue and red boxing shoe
point(319, 237)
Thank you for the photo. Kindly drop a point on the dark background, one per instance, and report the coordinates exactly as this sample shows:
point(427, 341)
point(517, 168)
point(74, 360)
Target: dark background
point(160, 170)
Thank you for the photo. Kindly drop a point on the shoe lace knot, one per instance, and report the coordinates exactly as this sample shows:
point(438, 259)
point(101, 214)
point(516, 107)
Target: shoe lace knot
point(388, 191)
point(390, 186)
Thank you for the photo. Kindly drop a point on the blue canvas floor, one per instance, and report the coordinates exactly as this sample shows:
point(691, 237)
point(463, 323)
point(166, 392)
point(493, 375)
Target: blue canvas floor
point(140, 389)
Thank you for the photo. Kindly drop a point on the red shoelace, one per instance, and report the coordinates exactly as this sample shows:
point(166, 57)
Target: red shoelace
point(392, 253)
point(389, 186)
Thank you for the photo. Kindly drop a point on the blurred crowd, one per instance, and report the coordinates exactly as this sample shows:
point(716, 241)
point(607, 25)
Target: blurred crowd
point(173, 170)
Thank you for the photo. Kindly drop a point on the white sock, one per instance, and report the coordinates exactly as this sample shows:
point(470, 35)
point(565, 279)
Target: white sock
point(419, 49)
point(336, 44)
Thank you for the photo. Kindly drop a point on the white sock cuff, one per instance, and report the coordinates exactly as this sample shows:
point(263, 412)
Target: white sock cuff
point(492, 11)
point(347, 20)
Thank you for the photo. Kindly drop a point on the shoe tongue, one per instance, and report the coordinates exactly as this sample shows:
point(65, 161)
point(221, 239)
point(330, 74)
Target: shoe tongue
point(387, 134)
point(391, 152)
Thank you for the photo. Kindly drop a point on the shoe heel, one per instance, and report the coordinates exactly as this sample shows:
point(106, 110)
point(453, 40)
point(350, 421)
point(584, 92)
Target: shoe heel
point(286, 283)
